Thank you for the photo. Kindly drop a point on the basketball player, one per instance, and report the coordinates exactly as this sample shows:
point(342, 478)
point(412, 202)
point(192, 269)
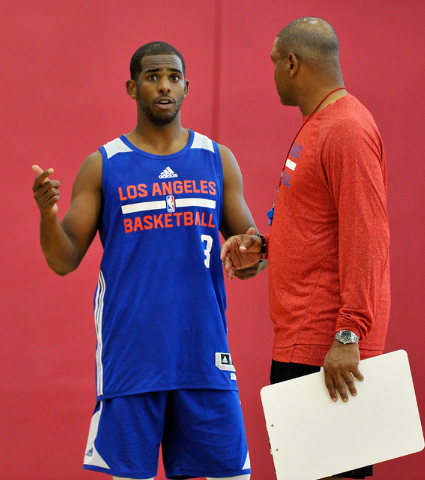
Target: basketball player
point(159, 196)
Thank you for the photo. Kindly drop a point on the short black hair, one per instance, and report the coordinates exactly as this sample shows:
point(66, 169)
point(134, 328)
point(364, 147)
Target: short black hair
point(152, 48)
point(310, 38)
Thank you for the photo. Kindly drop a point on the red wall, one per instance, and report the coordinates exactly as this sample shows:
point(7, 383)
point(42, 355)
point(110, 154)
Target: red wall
point(64, 67)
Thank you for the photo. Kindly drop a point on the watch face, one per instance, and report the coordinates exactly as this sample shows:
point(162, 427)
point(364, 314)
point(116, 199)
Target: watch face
point(346, 336)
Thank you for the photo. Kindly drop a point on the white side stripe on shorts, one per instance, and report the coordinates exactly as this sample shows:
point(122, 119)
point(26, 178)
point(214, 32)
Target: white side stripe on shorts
point(98, 316)
point(92, 456)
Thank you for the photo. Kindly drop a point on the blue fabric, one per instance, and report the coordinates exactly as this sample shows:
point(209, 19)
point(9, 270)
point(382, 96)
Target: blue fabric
point(160, 301)
point(202, 435)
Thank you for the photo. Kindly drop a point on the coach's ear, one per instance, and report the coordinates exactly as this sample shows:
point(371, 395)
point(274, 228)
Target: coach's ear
point(131, 89)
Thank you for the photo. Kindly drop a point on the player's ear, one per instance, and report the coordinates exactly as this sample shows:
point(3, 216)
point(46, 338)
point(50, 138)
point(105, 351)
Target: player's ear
point(131, 89)
point(186, 88)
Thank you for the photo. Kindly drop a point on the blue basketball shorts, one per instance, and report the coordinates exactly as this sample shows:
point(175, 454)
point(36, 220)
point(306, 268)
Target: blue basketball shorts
point(201, 433)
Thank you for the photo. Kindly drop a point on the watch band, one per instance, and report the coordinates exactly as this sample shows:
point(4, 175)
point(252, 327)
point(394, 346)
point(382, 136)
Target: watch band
point(263, 247)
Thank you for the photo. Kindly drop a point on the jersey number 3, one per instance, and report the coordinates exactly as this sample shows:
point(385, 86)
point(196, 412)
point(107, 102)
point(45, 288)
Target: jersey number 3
point(209, 240)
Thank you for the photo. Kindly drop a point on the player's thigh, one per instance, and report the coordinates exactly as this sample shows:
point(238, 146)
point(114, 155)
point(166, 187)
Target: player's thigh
point(128, 432)
point(204, 430)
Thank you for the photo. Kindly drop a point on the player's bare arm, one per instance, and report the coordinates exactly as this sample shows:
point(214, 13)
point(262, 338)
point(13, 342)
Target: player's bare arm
point(65, 243)
point(236, 215)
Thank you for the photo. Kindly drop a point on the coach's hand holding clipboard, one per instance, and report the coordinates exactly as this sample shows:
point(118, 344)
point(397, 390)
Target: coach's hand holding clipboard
point(340, 366)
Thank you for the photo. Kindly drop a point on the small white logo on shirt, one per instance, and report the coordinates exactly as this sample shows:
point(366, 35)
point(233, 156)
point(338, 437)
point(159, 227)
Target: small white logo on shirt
point(168, 173)
point(223, 361)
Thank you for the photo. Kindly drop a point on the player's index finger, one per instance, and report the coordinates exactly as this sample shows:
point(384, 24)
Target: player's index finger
point(43, 176)
point(36, 169)
point(39, 171)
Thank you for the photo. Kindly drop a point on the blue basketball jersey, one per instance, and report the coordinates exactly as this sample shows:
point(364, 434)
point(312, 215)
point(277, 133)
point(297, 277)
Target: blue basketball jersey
point(160, 300)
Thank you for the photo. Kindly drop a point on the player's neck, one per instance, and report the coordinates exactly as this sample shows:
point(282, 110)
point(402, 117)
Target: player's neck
point(159, 139)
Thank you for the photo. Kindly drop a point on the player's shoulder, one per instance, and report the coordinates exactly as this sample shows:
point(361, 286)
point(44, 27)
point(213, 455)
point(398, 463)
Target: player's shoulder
point(225, 150)
point(91, 170)
point(116, 146)
point(202, 142)
point(228, 160)
point(93, 161)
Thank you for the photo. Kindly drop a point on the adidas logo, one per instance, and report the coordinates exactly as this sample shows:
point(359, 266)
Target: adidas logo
point(223, 361)
point(168, 173)
point(89, 453)
point(226, 359)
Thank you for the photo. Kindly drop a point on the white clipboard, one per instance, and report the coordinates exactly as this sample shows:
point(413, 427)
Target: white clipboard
point(312, 437)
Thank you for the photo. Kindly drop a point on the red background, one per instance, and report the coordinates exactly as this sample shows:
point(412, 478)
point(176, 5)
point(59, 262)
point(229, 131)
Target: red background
point(64, 67)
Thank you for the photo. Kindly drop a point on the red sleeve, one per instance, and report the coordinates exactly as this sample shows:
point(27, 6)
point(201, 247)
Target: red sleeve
point(354, 170)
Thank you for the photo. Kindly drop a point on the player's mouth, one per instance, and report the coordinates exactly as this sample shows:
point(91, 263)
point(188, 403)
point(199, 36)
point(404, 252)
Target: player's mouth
point(164, 103)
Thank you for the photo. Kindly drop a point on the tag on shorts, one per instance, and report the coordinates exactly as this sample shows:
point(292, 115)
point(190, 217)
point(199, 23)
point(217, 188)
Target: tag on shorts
point(223, 361)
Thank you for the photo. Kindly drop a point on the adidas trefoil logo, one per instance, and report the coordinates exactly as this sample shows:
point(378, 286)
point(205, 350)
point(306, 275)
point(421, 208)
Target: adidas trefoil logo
point(168, 173)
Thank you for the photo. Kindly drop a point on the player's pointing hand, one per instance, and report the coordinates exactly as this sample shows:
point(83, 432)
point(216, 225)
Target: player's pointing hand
point(46, 191)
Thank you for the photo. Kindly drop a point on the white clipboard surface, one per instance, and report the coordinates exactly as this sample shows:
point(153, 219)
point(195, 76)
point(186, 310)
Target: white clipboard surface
point(312, 437)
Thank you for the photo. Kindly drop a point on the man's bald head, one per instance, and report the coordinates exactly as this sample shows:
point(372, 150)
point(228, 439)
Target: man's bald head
point(312, 40)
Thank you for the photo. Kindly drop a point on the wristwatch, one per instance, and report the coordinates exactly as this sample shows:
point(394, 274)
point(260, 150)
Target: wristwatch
point(345, 336)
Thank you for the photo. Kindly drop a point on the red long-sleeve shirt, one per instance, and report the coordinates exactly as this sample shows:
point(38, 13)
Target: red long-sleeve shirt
point(328, 248)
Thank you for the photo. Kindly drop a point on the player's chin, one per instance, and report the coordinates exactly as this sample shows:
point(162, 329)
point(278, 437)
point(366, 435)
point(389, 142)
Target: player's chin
point(162, 118)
